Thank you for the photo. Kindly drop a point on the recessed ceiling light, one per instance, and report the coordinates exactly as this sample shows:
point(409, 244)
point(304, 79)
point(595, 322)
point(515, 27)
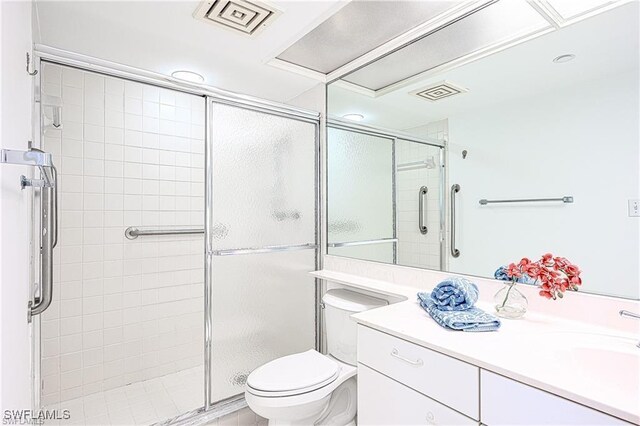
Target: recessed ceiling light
point(354, 117)
point(190, 76)
point(564, 58)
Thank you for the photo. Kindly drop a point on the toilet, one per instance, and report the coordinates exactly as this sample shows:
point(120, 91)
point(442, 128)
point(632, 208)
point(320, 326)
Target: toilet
point(310, 388)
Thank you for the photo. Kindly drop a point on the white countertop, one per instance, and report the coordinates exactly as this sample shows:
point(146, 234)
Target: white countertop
point(594, 366)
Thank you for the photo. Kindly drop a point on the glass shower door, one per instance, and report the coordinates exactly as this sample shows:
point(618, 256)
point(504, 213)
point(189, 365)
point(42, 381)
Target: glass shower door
point(263, 241)
point(360, 191)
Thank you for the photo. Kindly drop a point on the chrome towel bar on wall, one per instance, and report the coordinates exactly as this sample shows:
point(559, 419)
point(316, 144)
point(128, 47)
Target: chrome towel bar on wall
point(567, 199)
point(454, 190)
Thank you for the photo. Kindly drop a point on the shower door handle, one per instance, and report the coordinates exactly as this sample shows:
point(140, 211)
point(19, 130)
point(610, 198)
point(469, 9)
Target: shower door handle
point(422, 198)
point(48, 240)
point(454, 190)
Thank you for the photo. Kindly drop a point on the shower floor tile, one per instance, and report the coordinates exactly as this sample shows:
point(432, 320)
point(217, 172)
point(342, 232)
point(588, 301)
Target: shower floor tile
point(145, 402)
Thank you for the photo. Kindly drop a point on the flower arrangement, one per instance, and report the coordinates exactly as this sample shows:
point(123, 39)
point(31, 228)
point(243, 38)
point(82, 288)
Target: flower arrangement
point(553, 275)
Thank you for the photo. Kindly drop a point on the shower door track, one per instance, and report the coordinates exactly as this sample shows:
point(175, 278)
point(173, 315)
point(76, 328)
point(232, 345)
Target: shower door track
point(44, 53)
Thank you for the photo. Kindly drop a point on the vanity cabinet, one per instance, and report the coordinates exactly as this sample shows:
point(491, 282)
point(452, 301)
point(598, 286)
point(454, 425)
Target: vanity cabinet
point(507, 402)
point(383, 401)
point(447, 380)
point(402, 383)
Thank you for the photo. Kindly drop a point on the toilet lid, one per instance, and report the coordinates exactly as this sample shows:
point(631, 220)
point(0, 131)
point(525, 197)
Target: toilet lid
point(304, 371)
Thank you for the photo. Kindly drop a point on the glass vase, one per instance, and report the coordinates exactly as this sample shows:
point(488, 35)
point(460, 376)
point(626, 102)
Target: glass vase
point(509, 302)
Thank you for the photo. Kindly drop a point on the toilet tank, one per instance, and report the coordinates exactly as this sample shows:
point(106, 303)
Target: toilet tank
point(341, 331)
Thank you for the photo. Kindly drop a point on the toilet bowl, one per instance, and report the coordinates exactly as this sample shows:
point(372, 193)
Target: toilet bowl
point(298, 390)
point(310, 388)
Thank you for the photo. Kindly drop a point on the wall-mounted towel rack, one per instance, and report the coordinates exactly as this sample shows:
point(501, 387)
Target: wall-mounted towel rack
point(132, 232)
point(565, 199)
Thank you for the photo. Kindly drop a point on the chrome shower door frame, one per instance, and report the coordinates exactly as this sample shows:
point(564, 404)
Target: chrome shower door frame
point(55, 56)
point(395, 136)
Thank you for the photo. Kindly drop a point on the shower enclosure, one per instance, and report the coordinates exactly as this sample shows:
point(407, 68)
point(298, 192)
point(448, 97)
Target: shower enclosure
point(386, 198)
point(187, 225)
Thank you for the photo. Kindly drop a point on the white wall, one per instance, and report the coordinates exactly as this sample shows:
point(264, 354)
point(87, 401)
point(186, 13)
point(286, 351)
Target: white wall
point(580, 141)
point(15, 131)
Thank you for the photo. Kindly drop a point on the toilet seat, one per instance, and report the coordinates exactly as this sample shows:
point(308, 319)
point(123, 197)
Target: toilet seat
point(293, 375)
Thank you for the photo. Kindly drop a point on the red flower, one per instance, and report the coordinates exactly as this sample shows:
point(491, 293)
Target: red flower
point(560, 263)
point(532, 269)
point(572, 270)
point(513, 271)
point(554, 275)
point(546, 294)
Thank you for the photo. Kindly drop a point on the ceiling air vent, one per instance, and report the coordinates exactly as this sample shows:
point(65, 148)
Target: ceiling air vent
point(438, 91)
point(248, 17)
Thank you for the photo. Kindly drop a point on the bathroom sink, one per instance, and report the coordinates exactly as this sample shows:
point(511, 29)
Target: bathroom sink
point(599, 357)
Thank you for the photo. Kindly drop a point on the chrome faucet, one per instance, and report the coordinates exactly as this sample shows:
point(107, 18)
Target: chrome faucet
point(624, 313)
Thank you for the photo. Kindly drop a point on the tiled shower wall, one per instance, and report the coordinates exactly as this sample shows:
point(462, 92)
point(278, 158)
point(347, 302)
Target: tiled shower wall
point(414, 248)
point(128, 154)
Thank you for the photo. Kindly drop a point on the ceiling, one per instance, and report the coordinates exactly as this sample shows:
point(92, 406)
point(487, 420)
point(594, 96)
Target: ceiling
point(163, 36)
point(359, 27)
point(605, 45)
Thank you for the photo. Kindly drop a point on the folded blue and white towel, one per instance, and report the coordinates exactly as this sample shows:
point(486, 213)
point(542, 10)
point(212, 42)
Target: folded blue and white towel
point(453, 294)
point(472, 319)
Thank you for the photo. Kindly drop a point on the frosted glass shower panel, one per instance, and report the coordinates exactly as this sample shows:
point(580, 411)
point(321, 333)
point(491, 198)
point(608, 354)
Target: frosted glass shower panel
point(263, 308)
point(264, 168)
point(360, 193)
point(263, 236)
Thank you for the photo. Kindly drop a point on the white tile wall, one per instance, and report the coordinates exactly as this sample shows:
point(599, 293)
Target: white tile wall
point(123, 310)
point(414, 248)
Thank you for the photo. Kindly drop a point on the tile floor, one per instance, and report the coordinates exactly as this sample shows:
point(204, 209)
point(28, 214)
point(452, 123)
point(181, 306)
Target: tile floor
point(147, 402)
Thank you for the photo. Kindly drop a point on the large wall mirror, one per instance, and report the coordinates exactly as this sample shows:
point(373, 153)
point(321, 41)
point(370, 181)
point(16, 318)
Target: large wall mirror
point(509, 133)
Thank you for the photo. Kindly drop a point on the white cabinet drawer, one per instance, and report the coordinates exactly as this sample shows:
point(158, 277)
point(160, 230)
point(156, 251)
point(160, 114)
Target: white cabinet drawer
point(507, 402)
point(383, 401)
point(447, 380)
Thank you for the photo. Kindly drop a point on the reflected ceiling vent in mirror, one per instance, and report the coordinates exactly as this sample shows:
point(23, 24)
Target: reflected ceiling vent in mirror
point(439, 91)
point(247, 17)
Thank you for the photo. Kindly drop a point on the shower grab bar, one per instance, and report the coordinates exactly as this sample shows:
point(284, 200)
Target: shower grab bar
point(566, 199)
point(422, 192)
point(265, 249)
point(132, 232)
point(455, 188)
point(362, 242)
point(48, 238)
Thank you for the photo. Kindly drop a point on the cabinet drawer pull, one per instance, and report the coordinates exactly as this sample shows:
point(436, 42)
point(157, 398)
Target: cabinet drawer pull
point(416, 363)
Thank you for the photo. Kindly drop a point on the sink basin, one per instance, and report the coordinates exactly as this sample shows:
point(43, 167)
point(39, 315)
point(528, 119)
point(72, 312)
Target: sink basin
point(600, 357)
